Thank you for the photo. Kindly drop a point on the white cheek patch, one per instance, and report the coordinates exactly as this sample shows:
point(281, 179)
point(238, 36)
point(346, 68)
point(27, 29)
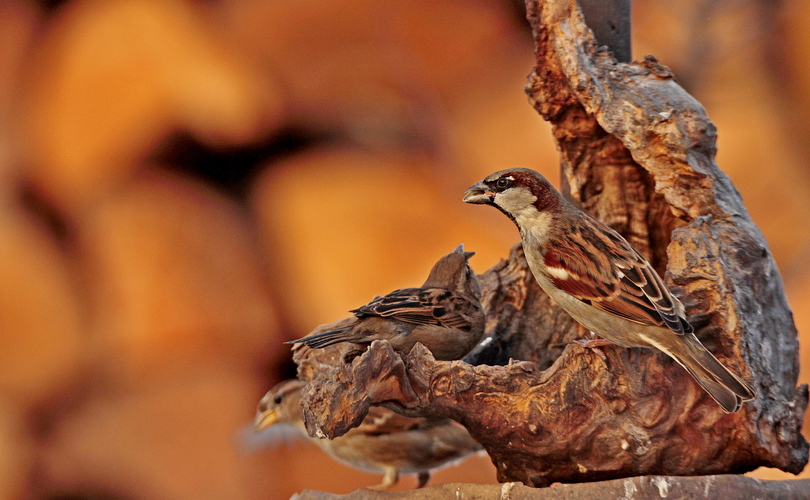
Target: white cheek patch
point(516, 200)
point(519, 203)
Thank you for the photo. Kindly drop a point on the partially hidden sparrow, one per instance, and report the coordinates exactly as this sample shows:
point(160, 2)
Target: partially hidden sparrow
point(384, 442)
point(444, 314)
point(596, 276)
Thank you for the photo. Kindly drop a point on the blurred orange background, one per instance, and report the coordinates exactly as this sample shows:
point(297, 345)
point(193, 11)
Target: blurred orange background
point(187, 184)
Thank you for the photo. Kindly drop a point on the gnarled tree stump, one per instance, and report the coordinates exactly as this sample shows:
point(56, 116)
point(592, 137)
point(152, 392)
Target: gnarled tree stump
point(637, 151)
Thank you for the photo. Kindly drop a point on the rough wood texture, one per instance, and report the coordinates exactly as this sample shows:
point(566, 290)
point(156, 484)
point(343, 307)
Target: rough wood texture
point(638, 152)
point(726, 487)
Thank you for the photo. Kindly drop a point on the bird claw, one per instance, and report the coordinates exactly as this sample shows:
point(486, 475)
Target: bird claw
point(594, 345)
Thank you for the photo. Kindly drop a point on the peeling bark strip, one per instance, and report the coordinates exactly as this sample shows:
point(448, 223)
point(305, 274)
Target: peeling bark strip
point(637, 152)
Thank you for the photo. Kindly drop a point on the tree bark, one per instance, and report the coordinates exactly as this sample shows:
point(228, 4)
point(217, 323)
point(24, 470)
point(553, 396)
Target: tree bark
point(637, 152)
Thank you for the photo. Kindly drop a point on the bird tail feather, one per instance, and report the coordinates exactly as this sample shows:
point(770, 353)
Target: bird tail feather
point(722, 385)
point(324, 339)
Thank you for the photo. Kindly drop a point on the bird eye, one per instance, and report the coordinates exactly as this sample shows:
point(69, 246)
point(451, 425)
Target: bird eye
point(503, 183)
point(277, 399)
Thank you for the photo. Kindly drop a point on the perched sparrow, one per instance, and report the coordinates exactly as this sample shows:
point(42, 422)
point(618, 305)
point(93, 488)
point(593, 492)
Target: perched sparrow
point(600, 280)
point(444, 314)
point(385, 442)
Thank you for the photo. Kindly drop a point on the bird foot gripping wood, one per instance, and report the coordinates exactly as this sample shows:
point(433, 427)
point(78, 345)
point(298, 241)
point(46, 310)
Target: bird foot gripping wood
point(594, 344)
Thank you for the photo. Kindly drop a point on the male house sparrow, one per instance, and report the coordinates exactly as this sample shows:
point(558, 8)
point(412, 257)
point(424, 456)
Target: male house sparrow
point(600, 280)
point(444, 314)
point(385, 442)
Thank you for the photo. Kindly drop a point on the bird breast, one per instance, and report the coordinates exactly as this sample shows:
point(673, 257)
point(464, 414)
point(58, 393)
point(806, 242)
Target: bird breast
point(534, 227)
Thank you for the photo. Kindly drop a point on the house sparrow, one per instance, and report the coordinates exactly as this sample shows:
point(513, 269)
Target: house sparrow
point(444, 314)
point(594, 274)
point(385, 442)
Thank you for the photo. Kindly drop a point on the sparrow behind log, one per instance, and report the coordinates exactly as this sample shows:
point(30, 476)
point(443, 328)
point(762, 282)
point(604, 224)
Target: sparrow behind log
point(385, 442)
point(596, 276)
point(444, 314)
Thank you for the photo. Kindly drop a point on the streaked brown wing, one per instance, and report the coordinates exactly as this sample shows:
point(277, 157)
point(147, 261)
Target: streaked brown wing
point(614, 277)
point(422, 306)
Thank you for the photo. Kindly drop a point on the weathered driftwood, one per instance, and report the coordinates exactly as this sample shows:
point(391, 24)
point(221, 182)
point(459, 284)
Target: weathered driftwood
point(638, 152)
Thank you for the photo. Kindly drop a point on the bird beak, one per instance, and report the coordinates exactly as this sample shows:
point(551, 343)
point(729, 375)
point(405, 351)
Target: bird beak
point(478, 194)
point(265, 419)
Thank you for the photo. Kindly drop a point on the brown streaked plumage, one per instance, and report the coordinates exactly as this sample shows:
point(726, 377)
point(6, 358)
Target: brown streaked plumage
point(596, 276)
point(444, 314)
point(385, 442)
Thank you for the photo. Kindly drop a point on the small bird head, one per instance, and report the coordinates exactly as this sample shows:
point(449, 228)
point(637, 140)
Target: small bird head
point(517, 192)
point(453, 272)
point(281, 404)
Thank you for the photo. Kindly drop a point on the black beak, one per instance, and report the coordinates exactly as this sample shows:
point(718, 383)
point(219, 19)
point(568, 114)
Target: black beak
point(479, 194)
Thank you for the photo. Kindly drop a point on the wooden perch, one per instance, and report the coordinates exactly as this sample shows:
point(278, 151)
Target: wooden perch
point(638, 152)
point(656, 487)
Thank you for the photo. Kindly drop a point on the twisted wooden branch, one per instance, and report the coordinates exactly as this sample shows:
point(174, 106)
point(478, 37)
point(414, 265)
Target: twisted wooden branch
point(638, 152)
